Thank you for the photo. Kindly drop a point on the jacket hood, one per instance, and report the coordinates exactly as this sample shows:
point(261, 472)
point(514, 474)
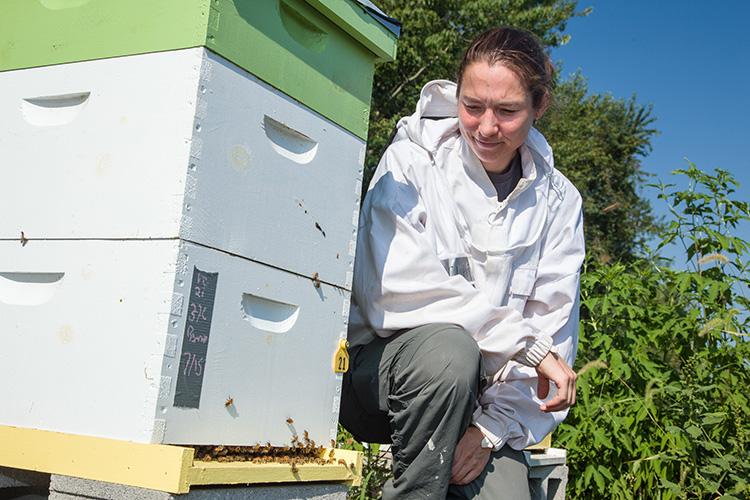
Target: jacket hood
point(436, 118)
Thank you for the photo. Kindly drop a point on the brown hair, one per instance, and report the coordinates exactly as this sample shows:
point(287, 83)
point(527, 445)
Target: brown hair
point(521, 52)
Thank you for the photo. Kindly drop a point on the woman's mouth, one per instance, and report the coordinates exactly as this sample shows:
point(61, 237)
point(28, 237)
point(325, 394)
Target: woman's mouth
point(486, 144)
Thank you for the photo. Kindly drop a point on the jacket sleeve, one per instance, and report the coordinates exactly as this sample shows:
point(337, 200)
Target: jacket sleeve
point(509, 408)
point(400, 283)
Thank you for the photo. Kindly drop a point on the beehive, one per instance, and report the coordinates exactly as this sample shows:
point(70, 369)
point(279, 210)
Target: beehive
point(180, 190)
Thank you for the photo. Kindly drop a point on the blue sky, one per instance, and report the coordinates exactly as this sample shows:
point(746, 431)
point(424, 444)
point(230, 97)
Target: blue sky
point(689, 59)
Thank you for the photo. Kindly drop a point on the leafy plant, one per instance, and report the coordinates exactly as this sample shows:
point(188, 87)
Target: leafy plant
point(664, 360)
point(376, 466)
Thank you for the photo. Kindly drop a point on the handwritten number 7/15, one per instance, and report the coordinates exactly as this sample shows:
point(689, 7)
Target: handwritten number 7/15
point(193, 364)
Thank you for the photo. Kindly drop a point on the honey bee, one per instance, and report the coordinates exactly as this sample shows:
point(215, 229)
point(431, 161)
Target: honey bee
point(317, 226)
point(229, 402)
point(342, 462)
point(290, 420)
point(316, 280)
point(24, 239)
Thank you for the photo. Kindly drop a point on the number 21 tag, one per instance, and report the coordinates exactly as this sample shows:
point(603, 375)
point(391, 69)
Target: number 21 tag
point(341, 358)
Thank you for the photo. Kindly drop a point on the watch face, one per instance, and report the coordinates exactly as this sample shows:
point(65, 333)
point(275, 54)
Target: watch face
point(485, 443)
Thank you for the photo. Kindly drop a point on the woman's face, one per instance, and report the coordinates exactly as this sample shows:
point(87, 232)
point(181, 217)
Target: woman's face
point(495, 113)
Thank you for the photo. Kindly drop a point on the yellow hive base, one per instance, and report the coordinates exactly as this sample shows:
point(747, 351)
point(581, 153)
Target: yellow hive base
point(154, 466)
point(542, 445)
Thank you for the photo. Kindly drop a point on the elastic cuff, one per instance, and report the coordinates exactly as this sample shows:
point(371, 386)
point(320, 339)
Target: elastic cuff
point(535, 352)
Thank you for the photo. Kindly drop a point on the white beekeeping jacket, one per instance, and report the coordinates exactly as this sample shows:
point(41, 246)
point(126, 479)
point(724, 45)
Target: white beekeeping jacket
point(436, 246)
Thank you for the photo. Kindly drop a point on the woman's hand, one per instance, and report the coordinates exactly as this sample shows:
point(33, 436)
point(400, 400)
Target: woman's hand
point(554, 368)
point(469, 458)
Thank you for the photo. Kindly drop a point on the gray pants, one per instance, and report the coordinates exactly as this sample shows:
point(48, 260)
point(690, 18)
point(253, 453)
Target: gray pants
point(417, 391)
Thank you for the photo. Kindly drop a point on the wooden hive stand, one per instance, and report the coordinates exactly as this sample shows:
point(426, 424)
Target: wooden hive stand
point(91, 467)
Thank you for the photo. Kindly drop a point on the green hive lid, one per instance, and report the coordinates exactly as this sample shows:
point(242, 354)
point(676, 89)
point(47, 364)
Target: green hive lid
point(392, 24)
point(350, 18)
point(321, 52)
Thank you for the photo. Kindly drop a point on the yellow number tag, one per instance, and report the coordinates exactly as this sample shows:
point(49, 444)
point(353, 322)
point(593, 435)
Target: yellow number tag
point(341, 357)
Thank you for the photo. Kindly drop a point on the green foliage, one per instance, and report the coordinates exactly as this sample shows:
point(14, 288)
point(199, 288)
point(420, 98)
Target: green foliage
point(376, 466)
point(598, 143)
point(664, 361)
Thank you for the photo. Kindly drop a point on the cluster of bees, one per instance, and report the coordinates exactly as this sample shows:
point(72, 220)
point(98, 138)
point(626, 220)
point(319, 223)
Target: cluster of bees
point(299, 452)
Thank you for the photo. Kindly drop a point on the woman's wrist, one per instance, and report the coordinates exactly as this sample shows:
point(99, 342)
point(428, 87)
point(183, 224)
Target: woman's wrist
point(536, 351)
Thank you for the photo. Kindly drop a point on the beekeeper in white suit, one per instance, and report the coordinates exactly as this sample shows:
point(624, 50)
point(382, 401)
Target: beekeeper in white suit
point(465, 302)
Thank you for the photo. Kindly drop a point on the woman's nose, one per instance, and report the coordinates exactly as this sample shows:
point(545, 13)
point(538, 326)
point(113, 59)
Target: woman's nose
point(488, 124)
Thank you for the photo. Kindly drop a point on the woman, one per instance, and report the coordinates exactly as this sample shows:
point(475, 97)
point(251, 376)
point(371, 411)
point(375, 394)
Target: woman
point(465, 300)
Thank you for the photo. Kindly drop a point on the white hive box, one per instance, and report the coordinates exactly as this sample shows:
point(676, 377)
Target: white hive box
point(178, 144)
point(134, 175)
point(98, 332)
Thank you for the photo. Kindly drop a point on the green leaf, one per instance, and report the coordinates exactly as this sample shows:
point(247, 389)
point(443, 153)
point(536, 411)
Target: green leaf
point(588, 474)
point(713, 418)
point(599, 480)
point(711, 470)
point(672, 487)
point(710, 445)
point(601, 439)
point(673, 430)
point(694, 431)
point(605, 472)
